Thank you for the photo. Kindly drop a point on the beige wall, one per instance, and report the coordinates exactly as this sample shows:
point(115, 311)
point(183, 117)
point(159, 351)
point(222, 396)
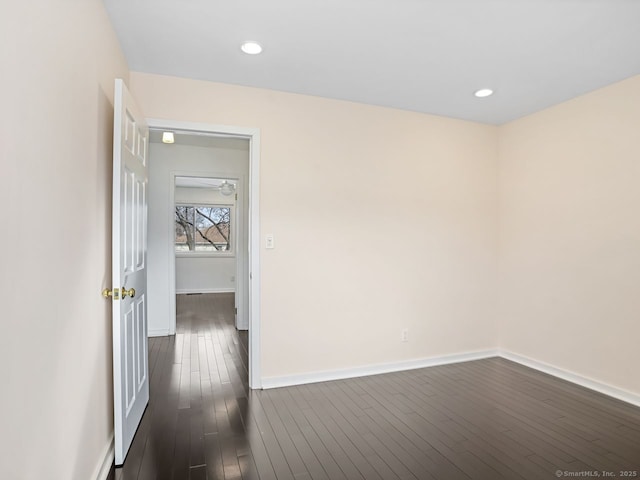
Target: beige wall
point(383, 219)
point(58, 60)
point(570, 235)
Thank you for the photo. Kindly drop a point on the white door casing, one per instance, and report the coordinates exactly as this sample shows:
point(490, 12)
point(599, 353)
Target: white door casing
point(129, 259)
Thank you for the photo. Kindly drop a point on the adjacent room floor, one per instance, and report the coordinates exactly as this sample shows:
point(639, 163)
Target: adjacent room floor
point(488, 419)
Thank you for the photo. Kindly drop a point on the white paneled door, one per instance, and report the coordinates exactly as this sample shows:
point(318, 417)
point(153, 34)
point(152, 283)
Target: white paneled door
point(129, 293)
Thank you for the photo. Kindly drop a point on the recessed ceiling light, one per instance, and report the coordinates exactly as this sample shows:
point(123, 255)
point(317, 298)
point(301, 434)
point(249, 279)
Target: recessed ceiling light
point(483, 92)
point(167, 137)
point(252, 48)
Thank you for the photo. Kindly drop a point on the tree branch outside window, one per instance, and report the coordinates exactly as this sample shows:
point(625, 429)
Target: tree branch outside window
point(202, 228)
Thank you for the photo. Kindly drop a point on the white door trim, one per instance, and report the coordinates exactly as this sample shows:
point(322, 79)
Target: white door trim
point(253, 135)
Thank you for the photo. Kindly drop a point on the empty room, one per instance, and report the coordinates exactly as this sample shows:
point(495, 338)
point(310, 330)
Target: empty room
point(329, 240)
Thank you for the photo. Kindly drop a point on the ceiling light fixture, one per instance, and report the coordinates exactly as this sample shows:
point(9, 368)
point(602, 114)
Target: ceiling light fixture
point(227, 188)
point(167, 137)
point(483, 92)
point(251, 48)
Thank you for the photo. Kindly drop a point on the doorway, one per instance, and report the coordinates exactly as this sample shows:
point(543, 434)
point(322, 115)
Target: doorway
point(210, 238)
point(215, 157)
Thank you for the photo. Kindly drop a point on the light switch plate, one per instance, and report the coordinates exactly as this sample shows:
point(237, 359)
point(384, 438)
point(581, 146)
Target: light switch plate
point(269, 240)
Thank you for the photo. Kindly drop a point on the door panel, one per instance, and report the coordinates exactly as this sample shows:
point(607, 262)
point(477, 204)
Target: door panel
point(130, 359)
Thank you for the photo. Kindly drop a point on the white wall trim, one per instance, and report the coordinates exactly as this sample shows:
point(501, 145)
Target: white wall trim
point(326, 376)
point(255, 373)
point(285, 381)
point(578, 379)
point(105, 462)
point(186, 291)
point(253, 135)
point(158, 332)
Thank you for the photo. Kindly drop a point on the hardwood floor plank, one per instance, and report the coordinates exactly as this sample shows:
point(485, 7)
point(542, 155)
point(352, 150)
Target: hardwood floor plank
point(213, 457)
point(248, 467)
point(180, 464)
point(343, 451)
point(534, 414)
point(259, 451)
point(300, 455)
point(198, 473)
point(315, 444)
point(274, 451)
point(382, 460)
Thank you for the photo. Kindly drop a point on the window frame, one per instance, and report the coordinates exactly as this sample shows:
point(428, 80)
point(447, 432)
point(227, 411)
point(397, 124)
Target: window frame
point(231, 253)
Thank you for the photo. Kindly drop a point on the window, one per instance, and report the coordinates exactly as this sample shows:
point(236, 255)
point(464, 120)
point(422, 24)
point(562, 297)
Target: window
point(203, 228)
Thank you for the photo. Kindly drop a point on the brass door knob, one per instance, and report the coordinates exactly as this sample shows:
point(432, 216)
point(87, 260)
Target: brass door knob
point(108, 293)
point(131, 292)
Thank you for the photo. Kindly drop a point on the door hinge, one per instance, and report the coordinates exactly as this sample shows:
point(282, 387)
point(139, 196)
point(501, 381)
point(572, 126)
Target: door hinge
point(236, 310)
point(236, 197)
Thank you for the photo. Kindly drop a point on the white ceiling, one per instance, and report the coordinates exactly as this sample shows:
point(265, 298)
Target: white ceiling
point(194, 139)
point(422, 55)
point(202, 182)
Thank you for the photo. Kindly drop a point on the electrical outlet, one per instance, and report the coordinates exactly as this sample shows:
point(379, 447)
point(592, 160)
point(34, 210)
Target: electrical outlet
point(404, 335)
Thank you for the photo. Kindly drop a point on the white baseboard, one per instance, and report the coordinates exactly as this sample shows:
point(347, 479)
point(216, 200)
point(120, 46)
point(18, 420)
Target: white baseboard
point(158, 332)
point(326, 376)
point(286, 381)
point(586, 382)
point(186, 291)
point(106, 461)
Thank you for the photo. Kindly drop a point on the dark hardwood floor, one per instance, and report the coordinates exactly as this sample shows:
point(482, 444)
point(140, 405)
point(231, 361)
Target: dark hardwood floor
point(488, 419)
